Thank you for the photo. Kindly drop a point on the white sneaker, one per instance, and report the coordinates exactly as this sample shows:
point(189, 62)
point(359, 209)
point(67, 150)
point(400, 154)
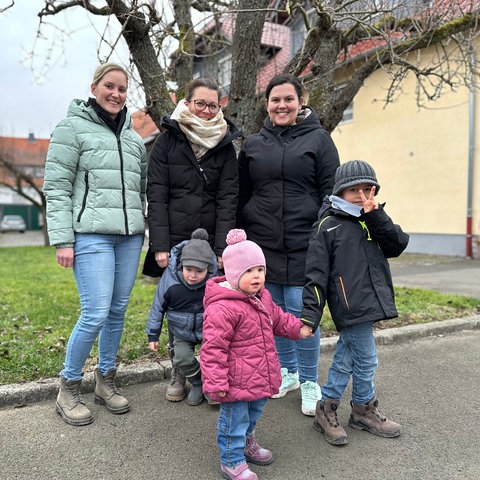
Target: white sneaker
point(289, 382)
point(311, 393)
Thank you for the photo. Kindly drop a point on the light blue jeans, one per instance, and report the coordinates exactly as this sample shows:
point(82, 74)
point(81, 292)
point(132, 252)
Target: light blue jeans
point(300, 356)
point(236, 422)
point(105, 268)
point(355, 356)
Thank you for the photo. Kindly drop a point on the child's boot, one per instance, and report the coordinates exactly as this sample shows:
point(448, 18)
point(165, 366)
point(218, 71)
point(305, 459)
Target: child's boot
point(240, 472)
point(368, 417)
point(254, 453)
point(195, 396)
point(70, 404)
point(176, 388)
point(106, 393)
point(326, 421)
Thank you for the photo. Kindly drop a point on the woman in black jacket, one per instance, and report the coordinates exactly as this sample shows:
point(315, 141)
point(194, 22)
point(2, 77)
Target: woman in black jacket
point(192, 182)
point(285, 171)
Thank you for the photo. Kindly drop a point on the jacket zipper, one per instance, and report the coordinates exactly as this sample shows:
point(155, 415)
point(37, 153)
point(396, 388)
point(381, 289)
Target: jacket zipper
point(122, 176)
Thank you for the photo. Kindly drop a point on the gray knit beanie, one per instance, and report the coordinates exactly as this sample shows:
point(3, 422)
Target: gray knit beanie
point(353, 173)
point(197, 251)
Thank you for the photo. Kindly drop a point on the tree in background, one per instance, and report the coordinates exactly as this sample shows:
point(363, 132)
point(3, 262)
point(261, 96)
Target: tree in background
point(345, 42)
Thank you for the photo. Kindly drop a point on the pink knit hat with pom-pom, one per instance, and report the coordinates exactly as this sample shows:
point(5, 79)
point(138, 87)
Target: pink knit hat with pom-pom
point(240, 255)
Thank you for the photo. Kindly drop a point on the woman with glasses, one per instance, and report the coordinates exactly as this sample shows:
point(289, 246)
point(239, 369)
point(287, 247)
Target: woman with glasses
point(192, 182)
point(285, 171)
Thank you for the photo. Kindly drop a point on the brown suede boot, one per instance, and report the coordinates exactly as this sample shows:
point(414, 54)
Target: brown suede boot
point(70, 404)
point(326, 422)
point(106, 392)
point(176, 389)
point(368, 417)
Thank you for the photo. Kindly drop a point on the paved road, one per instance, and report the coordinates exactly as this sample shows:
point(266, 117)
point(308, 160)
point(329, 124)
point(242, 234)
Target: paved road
point(455, 275)
point(427, 385)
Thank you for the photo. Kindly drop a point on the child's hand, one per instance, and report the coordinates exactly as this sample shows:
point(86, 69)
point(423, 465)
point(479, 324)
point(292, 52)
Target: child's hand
point(221, 394)
point(369, 203)
point(153, 346)
point(306, 331)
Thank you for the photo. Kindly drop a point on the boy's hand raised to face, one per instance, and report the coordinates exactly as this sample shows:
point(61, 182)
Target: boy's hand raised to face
point(369, 203)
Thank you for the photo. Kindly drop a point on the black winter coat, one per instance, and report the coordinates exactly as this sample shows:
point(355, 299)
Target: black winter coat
point(284, 174)
point(184, 194)
point(347, 267)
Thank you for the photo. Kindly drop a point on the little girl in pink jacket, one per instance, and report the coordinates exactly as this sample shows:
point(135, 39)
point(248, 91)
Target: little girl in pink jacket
point(239, 363)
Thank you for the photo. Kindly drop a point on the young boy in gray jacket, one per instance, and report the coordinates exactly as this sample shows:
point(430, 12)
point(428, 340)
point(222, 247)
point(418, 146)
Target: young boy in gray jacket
point(179, 296)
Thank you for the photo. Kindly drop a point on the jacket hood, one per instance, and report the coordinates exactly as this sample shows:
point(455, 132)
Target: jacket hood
point(175, 270)
point(307, 120)
point(219, 289)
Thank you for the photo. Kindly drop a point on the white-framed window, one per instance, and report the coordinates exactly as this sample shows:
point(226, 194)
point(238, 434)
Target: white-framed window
point(298, 31)
point(348, 112)
point(225, 71)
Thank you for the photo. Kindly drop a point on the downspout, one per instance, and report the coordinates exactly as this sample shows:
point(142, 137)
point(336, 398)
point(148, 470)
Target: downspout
point(471, 146)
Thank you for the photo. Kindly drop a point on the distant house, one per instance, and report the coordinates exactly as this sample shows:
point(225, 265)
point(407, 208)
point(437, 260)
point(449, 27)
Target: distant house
point(275, 51)
point(27, 155)
point(427, 160)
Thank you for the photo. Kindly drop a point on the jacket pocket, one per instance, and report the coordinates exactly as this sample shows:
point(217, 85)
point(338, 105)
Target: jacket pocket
point(342, 293)
point(84, 200)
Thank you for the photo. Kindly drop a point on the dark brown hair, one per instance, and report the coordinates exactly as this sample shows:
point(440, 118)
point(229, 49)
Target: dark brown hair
point(200, 82)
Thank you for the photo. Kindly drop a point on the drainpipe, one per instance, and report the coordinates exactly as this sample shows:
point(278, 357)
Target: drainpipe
point(471, 145)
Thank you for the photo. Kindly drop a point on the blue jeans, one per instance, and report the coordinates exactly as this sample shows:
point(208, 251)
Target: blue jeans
point(236, 422)
point(105, 268)
point(300, 356)
point(355, 356)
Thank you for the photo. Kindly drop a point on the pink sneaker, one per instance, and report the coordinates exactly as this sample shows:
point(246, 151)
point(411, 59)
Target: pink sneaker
point(240, 472)
point(254, 453)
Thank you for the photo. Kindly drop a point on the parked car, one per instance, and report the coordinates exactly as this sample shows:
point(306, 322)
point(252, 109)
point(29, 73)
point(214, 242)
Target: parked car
point(12, 223)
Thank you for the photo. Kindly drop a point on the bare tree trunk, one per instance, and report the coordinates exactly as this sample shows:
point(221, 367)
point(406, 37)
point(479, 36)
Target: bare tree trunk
point(243, 106)
point(184, 57)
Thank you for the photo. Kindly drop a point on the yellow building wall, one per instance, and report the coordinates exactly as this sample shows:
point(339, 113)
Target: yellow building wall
point(420, 155)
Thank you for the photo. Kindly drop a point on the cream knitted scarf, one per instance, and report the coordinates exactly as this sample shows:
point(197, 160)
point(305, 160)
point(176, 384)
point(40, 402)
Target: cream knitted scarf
point(202, 134)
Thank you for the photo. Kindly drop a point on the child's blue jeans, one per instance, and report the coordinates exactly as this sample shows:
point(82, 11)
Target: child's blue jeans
point(355, 356)
point(236, 422)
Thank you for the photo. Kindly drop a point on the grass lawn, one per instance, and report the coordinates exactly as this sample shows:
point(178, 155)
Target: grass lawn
point(39, 307)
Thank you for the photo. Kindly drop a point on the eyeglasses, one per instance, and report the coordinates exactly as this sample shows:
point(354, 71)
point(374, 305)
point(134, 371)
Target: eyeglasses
point(201, 105)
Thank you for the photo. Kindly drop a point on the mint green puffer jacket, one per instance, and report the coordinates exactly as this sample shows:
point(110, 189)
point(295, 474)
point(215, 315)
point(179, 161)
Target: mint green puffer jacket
point(94, 181)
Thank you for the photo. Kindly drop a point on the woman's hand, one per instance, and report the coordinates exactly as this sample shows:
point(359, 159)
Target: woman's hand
point(162, 259)
point(65, 257)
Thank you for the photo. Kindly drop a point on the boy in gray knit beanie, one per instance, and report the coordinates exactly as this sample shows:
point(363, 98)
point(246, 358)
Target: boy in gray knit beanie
point(347, 268)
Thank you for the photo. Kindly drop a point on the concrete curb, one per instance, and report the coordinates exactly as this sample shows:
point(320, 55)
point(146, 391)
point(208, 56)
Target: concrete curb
point(21, 394)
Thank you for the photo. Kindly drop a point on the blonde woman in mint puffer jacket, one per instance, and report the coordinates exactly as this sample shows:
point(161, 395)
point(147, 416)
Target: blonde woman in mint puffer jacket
point(95, 189)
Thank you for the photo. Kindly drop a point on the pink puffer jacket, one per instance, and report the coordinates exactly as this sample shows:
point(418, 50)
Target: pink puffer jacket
point(238, 353)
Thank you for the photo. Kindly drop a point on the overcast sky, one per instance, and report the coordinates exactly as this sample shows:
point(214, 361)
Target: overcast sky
point(28, 104)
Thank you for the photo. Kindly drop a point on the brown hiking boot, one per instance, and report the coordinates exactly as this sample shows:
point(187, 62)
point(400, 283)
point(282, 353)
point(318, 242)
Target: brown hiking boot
point(106, 393)
point(326, 422)
point(70, 404)
point(176, 388)
point(368, 417)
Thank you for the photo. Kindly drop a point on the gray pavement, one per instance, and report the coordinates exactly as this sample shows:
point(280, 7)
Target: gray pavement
point(429, 385)
point(426, 381)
